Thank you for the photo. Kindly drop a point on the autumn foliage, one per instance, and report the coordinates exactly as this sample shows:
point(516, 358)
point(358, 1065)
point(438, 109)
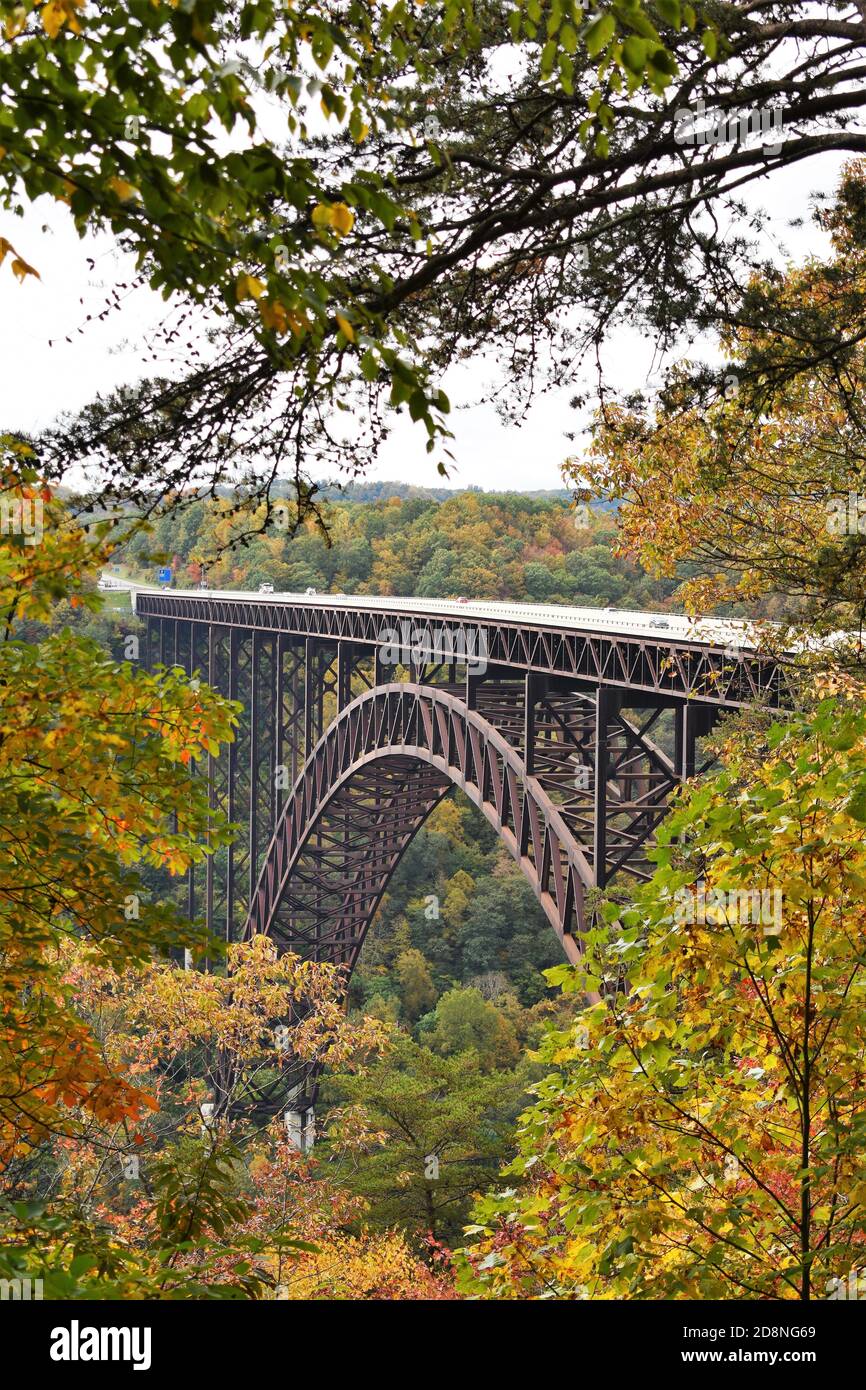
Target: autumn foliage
point(94, 787)
point(700, 1132)
point(750, 487)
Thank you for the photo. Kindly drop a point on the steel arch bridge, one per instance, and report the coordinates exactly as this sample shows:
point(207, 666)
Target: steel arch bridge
point(567, 728)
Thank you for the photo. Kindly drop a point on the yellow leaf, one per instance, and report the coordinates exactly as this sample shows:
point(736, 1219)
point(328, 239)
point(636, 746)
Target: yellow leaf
point(59, 12)
point(362, 134)
point(248, 287)
point(21, 269)
point(53, 18)
point(124, 190)
point(273, 314)
point(16, 22)
point(338, 216)
point(343, 218)
point(345, 327)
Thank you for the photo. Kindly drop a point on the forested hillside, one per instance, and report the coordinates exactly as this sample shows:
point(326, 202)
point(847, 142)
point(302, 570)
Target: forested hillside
point(481, 545)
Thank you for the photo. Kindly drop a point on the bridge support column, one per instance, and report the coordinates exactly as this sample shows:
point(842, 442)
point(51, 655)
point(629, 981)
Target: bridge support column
point(300, 1128)
point(211, 782)
point(346, 658)
point(284, 774)
point(196, 665)
point(691, 722)
point(534, 689)
point(607, 704)
point(309, 694)
point(321, 678)
point(290, 714)
point(255, 736)
point(231, 853)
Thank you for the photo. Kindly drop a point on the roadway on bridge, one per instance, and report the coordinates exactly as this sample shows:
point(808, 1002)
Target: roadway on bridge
point(705, 632)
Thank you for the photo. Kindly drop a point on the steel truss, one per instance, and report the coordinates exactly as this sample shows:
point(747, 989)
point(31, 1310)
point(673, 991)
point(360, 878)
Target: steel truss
point(368, 785)
point(566, 738)
point(579, 756)
point(661, 665)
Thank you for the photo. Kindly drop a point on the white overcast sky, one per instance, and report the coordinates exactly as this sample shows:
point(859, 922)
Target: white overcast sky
point(38, 381)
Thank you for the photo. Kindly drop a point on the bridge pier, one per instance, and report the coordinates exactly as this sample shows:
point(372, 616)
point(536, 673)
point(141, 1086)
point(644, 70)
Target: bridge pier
point(300, 1123)
point(692, 721)
point(607, 704)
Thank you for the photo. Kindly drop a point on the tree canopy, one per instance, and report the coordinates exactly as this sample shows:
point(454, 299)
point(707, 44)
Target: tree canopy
point(360, 198)
point(758, 488)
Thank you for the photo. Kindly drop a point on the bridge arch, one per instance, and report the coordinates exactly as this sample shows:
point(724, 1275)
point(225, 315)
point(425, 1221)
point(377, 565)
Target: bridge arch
point(369, 784)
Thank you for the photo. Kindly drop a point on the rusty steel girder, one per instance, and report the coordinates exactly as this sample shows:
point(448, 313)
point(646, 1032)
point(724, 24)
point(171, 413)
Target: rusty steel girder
point(371, 781)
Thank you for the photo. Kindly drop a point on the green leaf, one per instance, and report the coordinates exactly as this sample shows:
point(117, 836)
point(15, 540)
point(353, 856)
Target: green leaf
point(548, 57)
point(599, 34)
point(856, 804)
point(663, 61)
point(369, 366)
point(417, 405)
point(634, 54)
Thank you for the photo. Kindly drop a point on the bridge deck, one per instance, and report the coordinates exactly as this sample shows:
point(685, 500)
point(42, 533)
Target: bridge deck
point(711, 660)
point(705, 632)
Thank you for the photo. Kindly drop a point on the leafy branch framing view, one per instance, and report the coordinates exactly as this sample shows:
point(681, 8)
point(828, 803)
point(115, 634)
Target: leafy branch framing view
point(340, 205)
